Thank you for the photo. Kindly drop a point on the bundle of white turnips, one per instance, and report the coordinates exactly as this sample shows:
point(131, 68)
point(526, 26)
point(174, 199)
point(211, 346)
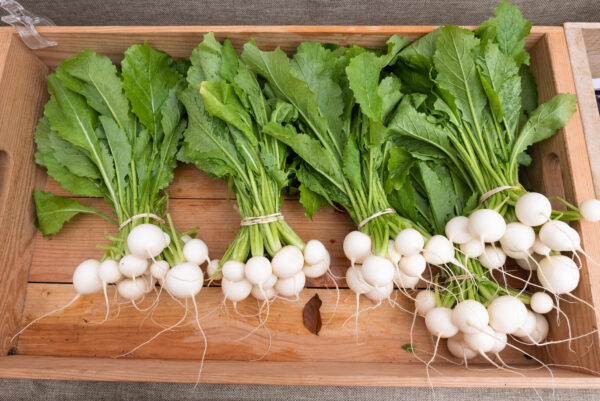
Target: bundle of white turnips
point(115, 134)
point(227, 111)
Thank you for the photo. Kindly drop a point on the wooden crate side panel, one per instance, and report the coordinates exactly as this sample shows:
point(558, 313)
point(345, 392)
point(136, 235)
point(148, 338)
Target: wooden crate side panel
point(591, 35)
point(286, 373)
point(179, 41)
point(584, 51)
point(552, 70)
point(22, 86)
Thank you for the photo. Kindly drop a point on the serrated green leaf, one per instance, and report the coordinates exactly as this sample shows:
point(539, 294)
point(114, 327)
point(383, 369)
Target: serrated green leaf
point(147, 80)
point(457, 74)
point(351, 163)
point(95, 77)
point(54, 211)
point(363, 76)
point(543, 123)
point(311, 201)
point(71, 118)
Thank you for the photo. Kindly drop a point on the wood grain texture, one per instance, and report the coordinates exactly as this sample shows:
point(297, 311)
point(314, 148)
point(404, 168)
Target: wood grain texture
point(552, 70)
point(287, 373)
point(22, 88)
point(591, 35)
point(56, 257)
point(180, 40)
point(584, 52)
point(382, 331)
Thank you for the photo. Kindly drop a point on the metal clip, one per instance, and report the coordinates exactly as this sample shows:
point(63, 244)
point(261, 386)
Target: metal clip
point(24, 22)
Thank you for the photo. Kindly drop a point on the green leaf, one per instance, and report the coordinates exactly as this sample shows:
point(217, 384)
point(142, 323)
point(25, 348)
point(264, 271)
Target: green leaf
point(120, 148)
point(75, 122)
point(399, 164)
point(308, 149)
point(74, 159)
point(147, 80)
point(206, 61)
point(438, 185)
point(409, 348)
point(275, 67)
point(502, 84)
point(221, 101)
point(363, 76)
point(311, 201)
point(457, 74)
point(95, 77)
point(45, 156)
point(229, 62)
point(322, 186)
point(54, 211)
point(389, 91)
point(395, 45)
point(351, 163)
point(316, 65)
point(529, 94)
point(419, 54)
point(207, 139)
point(407, 121)
point(509, 30)
point(543, 123)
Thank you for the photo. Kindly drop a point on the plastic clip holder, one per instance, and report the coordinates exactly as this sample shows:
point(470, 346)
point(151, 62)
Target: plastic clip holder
point(25, 22)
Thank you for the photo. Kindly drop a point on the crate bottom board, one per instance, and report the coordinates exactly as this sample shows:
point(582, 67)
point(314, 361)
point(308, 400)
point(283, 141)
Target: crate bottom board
point(381, 331)
point(287, 373)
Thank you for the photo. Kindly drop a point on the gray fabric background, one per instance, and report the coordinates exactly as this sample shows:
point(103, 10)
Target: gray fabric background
point(273, 12)
point(303, 12)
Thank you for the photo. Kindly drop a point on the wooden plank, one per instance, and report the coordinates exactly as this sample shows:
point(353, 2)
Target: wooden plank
point(22, 88)
point(287, 373)
point(180, 40)
point(552, 70)
point(56, 257)
point(581, 52)
point(382, 331)
point(591, 35)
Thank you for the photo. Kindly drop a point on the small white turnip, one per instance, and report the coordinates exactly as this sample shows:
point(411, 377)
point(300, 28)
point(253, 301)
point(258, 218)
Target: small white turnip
point(357, 246)
point(492, 257)
point(233, 270)
point(287, 261)
point(132, 265)
point(184, 280)
point(159, 269)
point(541, 302)
point(487, 225)
point(409, 241)
point(457, 230)
point(109, 271)
point(258, 270)
point(236, 291)
point(470, 316)
point(558, 274)
point(146, 241)
point(590, 210)
point(290, 286)
point(439, 322)
point(424, 302)
point(533, 209)
point(413, 265)
point(195, 251)
point(315, 252)
point(378, 271)
point(507, 314)
point(438, 250)
point(86, 279)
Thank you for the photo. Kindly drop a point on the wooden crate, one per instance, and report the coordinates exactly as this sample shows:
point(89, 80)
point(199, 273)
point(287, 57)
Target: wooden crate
point(36, 271)
point(583, 40)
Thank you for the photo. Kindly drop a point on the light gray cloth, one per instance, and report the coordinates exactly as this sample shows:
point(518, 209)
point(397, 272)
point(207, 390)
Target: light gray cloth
point(17, 390)
point(303, 12)
point(272, 12)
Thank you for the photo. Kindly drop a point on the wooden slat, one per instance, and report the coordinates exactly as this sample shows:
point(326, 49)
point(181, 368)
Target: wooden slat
point(278, 373)
point(551, 67)
point(180, 40)
point(286, 373)
point(23, 94)
point(382, 331)
point(582, 53)
point(591, 35)
point(56, 257)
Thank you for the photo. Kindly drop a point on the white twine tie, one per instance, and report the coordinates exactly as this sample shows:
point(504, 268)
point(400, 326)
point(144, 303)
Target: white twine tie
point(494, 191)
point(139, 216)
point(269, 218)
point(375, 215)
